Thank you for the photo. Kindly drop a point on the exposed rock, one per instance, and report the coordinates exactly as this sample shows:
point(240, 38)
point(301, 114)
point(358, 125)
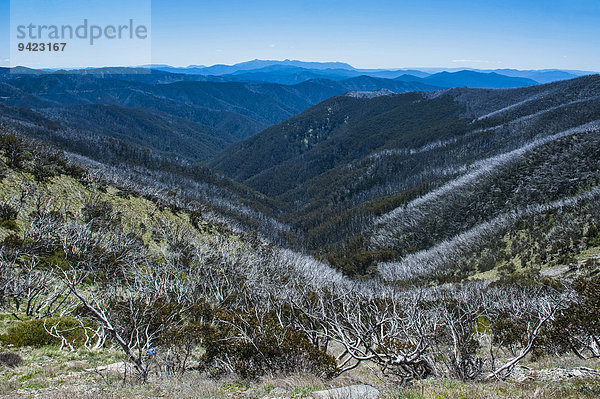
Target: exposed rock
point(118, 367)
point(350, 392)
point(556, 271)
point(522, 374)
point(192, 365)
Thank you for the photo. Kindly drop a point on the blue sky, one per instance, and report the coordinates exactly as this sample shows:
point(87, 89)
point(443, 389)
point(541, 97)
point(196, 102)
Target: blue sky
point(367, 34)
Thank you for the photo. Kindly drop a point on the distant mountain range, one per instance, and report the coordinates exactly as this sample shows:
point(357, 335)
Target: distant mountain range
point(291, 71)
point(221, 69)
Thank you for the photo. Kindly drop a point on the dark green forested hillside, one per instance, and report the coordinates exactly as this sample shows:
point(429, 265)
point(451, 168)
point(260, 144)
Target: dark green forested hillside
point(343, 163)
point(196, 117)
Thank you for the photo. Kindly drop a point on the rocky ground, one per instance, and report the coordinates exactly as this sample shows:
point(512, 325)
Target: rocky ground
point(53, 374)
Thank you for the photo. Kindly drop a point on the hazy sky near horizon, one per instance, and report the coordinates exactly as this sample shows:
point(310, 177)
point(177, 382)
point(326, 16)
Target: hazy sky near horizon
point(521, 34)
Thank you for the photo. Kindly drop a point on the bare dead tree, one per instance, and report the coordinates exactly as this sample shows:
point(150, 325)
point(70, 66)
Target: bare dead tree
point(535, 308)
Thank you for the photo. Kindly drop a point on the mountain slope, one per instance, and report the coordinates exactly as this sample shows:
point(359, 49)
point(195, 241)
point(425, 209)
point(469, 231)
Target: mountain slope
point(337, 130)
point(150, 172)
point(359, 179)
point(553, 177)
point(211, 115)
point(346, 161)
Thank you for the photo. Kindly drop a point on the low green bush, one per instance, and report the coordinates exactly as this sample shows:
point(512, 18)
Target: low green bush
point(8, 212)
point(33, 333)
point(9, 225)
point(265, 347)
